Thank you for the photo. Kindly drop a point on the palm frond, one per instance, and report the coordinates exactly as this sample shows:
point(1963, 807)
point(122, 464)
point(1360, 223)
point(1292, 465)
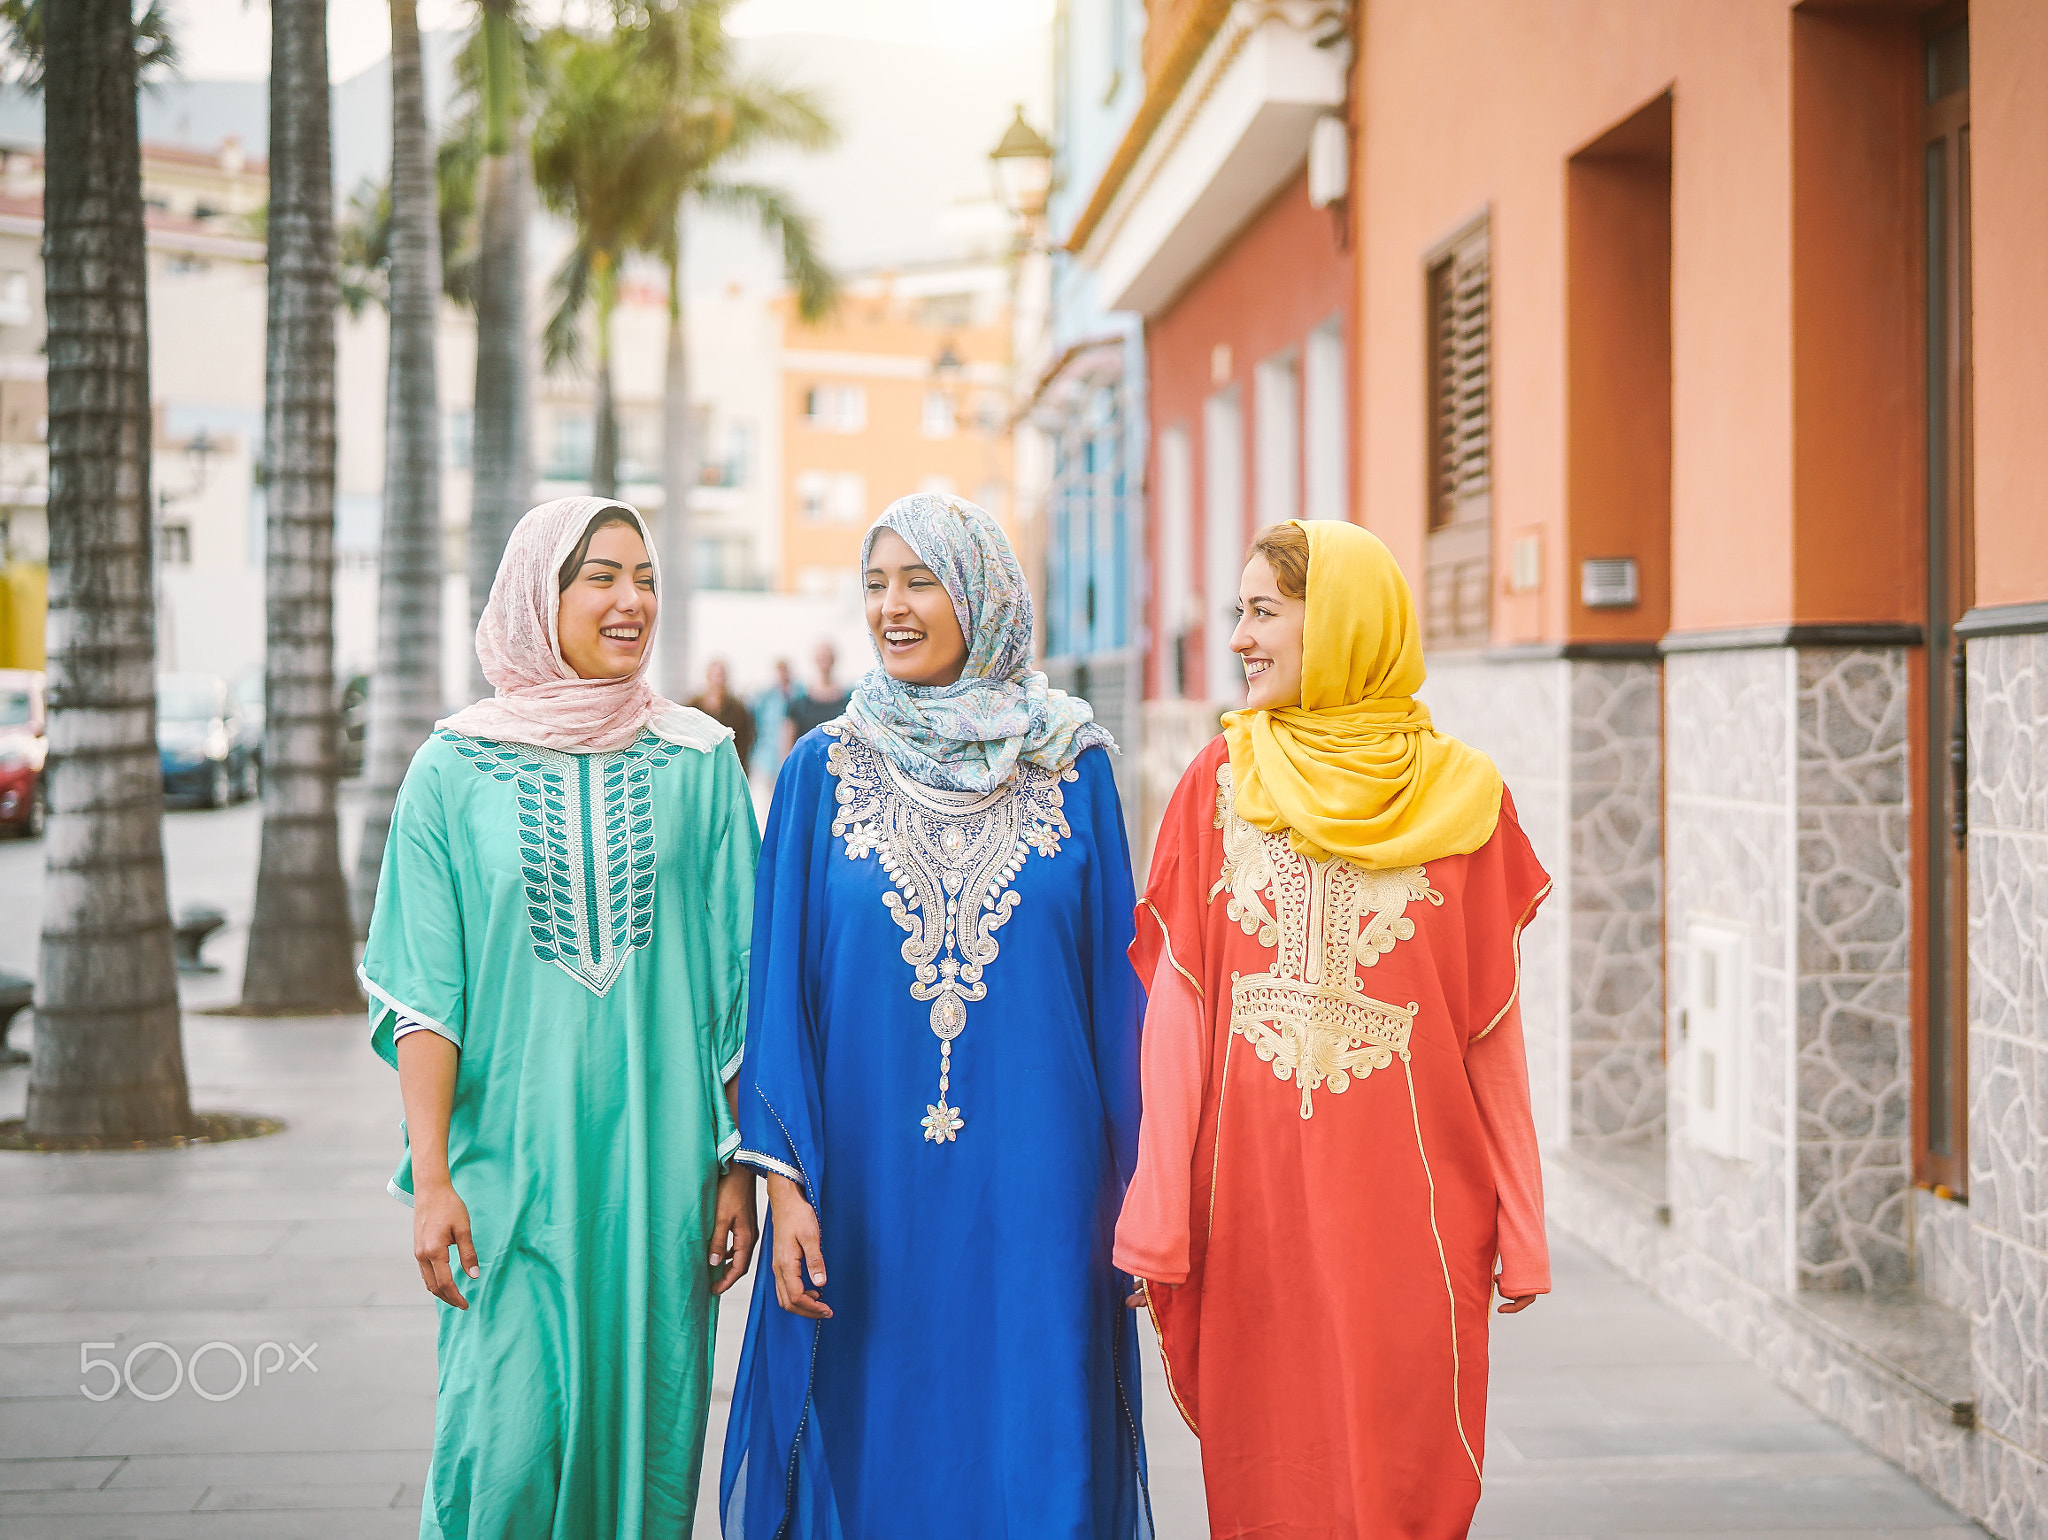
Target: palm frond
point(362, 240)
point(561, 340)
point(21, 41)
point(458, 162)
point(816, 285)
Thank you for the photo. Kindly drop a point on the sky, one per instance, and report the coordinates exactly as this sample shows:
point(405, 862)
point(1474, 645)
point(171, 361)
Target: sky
point(230, 39)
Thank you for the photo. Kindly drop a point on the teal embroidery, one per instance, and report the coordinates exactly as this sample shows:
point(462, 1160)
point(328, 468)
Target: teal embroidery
point(586, 843)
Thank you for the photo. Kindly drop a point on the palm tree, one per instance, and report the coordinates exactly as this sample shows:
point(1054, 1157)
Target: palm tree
point(405, 690)
point(594, 147)
point(639, 125)
point(301, 950)
point(501, 463)
point(717, 116)
point(108, 1060)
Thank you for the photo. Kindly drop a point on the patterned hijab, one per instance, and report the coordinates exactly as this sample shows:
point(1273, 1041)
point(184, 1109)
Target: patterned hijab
point(540, 700)
point(972, 734)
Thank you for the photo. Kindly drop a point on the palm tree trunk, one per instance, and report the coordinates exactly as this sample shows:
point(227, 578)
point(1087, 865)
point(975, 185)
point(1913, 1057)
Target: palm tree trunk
point(502, 468)
point(301, 952)
point(604, 449)
point(679, 461)
point(107, 1053)
point(405, 693)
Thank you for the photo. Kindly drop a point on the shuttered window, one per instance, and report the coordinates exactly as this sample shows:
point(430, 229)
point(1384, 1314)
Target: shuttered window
point(1457, 607)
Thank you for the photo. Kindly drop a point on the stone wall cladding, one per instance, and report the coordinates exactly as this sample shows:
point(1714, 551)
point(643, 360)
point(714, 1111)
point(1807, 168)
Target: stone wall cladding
point(1941, 1250)
point(1616, 999)
point(1515, 712)
point(2008, 1050)
point(1728, 739)
point(1855, 979)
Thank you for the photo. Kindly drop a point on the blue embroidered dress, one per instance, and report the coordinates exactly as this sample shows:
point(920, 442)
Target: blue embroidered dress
point(942, 1047)
point(577, 923)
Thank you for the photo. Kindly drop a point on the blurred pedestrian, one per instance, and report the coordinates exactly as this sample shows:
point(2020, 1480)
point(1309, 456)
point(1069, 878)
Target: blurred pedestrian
point(948, 1131)
point(771, 718)
point(1344, 888)
point(557, 970)
point(821, 701)
point(727, 709)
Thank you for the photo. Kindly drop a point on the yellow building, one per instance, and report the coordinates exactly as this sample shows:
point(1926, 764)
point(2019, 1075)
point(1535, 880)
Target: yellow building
point(904, 388)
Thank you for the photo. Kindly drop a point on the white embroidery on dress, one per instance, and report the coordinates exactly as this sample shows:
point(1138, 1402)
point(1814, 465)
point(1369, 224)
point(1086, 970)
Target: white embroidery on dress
point(951, 856)
point(1307, 1015)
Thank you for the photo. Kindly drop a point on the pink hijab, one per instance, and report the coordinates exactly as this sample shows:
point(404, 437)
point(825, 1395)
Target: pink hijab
point(540, 700)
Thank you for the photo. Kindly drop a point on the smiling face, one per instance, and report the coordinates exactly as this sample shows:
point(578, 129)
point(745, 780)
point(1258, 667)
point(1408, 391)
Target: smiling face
point(1268, 638)
point(607, 611)
point(911, 615)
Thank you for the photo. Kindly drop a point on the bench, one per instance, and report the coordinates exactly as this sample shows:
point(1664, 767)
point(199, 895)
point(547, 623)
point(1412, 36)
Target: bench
point(17, 995)
point(195, 923)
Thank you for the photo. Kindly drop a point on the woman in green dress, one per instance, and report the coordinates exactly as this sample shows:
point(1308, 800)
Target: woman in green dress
point(557, 969)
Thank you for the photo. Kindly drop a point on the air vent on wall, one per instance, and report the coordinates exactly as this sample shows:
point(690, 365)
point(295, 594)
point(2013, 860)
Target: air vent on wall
point(1608, 582)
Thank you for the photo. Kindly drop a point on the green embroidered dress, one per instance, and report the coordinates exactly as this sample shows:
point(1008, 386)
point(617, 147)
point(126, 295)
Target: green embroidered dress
point(578, 925)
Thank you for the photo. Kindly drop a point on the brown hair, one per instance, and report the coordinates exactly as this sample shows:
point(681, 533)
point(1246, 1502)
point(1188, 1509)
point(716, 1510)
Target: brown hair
point(604, 518)
point(1285, 547)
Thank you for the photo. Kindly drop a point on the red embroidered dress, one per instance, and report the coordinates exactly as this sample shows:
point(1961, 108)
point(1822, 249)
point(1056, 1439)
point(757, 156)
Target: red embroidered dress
point(1337, 1145)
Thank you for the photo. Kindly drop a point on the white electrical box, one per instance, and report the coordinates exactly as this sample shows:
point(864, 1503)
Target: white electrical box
point(1716, 1035)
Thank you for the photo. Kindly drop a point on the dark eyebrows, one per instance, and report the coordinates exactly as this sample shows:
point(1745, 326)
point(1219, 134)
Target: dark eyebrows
point(909, 566)
point(1260, 599)
point(605, 561)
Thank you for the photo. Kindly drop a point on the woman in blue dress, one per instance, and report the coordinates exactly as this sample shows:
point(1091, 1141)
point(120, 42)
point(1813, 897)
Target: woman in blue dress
point(941, 1085)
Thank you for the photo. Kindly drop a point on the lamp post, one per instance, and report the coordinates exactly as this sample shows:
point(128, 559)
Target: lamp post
point(1022, 165)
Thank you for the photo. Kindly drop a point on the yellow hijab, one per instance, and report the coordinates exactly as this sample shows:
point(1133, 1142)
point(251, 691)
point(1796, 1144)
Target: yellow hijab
point(1356, 770)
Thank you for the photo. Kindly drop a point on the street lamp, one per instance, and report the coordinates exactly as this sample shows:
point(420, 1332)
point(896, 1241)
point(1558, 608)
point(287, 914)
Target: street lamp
point(1022, 163)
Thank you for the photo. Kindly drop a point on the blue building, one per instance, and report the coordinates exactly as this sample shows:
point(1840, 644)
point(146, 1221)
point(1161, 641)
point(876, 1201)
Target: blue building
point(1086, 406)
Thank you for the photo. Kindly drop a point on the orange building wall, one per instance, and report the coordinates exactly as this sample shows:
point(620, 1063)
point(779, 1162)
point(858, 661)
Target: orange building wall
point(1538, 82)
point(2009, 185)
point(1798, 420)
point(1858, 333)
point(896, 349)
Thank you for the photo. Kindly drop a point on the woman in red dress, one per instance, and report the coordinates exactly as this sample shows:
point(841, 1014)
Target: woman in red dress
point(1337, 1167)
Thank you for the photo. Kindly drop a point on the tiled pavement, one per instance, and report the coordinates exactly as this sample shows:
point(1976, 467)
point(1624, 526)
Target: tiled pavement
point(1611, 1415)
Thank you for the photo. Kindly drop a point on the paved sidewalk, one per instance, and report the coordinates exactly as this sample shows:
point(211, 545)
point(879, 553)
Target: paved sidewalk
point(1612, 1416)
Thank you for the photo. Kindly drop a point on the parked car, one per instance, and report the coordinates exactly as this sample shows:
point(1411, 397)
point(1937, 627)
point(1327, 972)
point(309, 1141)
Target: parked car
point(355, 724)
point(24, 745)
point(204, 755)
point(251, 715)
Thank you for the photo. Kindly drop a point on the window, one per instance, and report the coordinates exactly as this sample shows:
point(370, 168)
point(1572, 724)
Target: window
point(570, 454)
point(836, 408)
point(14, 301)
point(1277, 403)
point(461, 428)
point(1457, 591)
point(832, 497)
point(1322, 421)
point(1176, 617)
point(174, 544)
point(937, 486)
point(937, 421)
point(1225, 539)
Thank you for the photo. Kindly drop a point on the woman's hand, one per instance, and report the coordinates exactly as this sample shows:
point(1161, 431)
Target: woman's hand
point(1509, 1306)
point(735, 1227)
point(1140, 1295)
point(797, 1249)
point(440, 1219)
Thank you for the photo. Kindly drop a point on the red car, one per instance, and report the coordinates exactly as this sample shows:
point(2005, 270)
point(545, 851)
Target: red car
point(23, 747)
